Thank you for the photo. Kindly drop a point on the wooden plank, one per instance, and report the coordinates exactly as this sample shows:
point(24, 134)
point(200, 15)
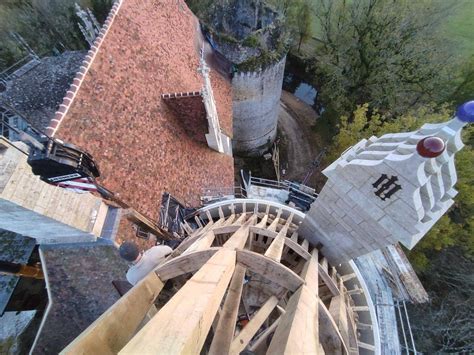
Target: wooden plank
point(310, 273)
point(264, 335)
point(329, 335)
point(181, 326)
point(196, 235)
point(276, 248)
point(348, 277)
point(298, 331)
point(274, 224)
point(366, 346)
point(305, 244)
point(184, 263)
point(337, 309)
point(241, 219)
point(328, 281)
point(228, 316)
point(244, 337)
point(229, 220)
point(263, 222)
point(187, 228)
point(226, 229)
point(239, 238)
point(324, 264)
point(270, 269)
point(294, 237)
point(113, 329)
point(198, 221)
point(202, 243)
point(288, 242)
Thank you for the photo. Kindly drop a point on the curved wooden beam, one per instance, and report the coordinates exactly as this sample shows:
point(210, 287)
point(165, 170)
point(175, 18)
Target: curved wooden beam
point(269, 269)
point(329, 334)
point(184, 264)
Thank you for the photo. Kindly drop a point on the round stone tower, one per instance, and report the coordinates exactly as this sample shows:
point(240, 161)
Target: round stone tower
point(256, 102)
point(252, 39)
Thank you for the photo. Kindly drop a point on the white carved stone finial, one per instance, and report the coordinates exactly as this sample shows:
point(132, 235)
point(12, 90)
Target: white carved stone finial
point(388, 189)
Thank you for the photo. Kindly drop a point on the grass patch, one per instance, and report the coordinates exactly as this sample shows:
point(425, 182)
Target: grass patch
point(459, 27)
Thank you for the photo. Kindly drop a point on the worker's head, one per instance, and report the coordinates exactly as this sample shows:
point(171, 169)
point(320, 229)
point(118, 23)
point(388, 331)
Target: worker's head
point(129, 251)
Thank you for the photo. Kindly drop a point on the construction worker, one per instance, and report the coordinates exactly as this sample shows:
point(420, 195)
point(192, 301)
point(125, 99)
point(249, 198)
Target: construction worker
point(143, 262)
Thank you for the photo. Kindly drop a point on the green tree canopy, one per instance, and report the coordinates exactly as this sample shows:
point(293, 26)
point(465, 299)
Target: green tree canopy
point(383, 52)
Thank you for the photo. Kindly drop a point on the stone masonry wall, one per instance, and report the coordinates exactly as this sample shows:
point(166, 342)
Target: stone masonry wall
point(342, 228)
point(256, 106)
point(117, 113)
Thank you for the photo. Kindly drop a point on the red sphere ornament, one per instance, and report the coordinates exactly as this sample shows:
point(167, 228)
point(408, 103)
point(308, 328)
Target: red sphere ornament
point(430, 147)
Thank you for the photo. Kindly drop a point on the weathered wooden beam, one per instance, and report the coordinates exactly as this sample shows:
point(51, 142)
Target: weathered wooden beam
point(288, 242)
point(270, 269)
point(181, 326)
point(229, 220)
point(275, 249)
point(228, 317)
point(202, 243)
point(244, 337)
point(329, 335)
point(337, 309)
point(226, 229)
point(263, 222)
point(113, 329)
point(366, 346)
point(274, 224)
point(328, 281)
point(298, 331)
point(239, 238)
point(184, 263)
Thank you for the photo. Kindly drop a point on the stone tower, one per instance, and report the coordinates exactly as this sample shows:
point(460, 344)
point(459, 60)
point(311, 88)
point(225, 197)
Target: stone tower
point(250, 39)
point(387, 190)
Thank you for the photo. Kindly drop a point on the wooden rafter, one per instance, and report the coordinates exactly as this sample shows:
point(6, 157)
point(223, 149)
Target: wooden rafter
point(244, 337)
point(219, 255)
point(228, 318)
point(196, 302)
point(298, 330)
point(113, 329)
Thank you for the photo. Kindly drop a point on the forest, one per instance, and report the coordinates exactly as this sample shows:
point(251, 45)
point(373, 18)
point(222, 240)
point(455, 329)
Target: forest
point(379, 66)
point(388, 66)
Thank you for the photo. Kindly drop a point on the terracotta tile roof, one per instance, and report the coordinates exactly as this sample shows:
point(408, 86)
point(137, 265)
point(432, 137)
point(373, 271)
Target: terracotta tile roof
point(114, 109)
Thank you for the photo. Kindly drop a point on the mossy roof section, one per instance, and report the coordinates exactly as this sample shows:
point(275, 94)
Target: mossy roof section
point(80, 279)
point(38, 93)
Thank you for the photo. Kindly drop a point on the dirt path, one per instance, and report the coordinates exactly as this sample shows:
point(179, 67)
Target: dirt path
point(300, 145)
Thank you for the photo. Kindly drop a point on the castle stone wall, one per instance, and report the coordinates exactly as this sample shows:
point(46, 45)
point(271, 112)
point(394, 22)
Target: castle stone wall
point(256, 104)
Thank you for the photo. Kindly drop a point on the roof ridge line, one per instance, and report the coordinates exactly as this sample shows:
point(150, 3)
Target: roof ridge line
point(55, 122)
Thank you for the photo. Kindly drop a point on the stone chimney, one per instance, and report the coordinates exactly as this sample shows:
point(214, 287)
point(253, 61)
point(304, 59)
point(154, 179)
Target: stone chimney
point(387, 190)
